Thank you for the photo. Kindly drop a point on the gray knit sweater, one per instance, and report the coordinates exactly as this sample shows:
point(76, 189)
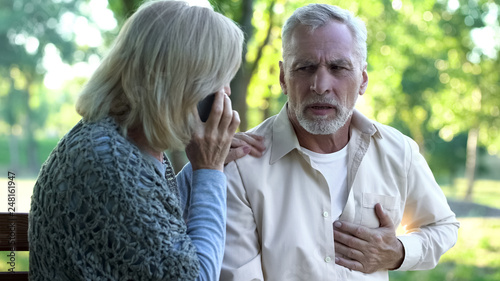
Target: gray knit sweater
point(101, 210)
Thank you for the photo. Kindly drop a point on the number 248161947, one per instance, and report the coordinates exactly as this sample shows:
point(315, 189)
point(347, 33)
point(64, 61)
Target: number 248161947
point(11, 191)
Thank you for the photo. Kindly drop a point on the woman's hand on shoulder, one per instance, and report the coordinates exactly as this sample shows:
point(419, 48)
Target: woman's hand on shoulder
point(243, 144)
point(210, 143)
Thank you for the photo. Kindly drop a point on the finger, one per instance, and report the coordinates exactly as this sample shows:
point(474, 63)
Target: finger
point(256, 143)
point(384, 219)
point(351, 264)
point(349, 240)
point(236, 142)
point(236, 153)
point(355, 230)
point(227, 115)
point(253, 140)
point(339, 255)
point(348, 252)
point(235, 123)
point(217, 110)
point(255, 153)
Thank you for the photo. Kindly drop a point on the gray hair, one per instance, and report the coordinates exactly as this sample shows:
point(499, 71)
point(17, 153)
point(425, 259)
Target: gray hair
point(318, 15)
point(168, 56)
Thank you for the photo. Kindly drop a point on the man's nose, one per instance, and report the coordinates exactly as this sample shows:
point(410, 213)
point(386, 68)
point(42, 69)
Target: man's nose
point(321, 81)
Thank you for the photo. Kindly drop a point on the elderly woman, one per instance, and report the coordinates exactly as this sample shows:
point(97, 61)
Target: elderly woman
point(106, 205)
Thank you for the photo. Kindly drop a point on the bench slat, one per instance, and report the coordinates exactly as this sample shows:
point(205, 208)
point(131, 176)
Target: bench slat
point(14, 226)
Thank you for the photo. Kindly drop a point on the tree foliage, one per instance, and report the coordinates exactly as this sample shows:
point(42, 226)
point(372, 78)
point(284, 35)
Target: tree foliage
point(37, 35)
point(429, 74)
point(26, 29)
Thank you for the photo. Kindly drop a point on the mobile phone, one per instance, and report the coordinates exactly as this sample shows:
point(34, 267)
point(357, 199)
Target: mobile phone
point(205, 106)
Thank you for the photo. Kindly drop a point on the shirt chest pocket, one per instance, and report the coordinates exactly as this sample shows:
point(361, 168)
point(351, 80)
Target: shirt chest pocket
point(390, 205)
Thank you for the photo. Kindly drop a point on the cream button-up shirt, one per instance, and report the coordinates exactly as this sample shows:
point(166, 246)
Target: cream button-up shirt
point(278, 215)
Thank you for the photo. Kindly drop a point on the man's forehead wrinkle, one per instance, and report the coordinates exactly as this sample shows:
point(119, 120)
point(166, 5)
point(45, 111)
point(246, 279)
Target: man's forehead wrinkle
point(341, 61)
point(305, 61)
point(333, 60)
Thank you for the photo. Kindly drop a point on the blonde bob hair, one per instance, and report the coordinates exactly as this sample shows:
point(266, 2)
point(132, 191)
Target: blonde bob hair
point(167, 57)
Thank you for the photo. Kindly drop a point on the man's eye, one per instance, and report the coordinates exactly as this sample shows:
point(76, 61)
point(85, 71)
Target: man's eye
point(305, 68)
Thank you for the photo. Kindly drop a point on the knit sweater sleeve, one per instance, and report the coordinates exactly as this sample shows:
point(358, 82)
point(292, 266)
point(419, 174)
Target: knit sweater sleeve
point(203, 197)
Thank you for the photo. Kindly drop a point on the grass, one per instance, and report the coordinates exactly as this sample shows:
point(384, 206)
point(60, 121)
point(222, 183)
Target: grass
point(475, 257)
point(477, 244)
point(449, 272)
point(21, 261)
point(486, 192)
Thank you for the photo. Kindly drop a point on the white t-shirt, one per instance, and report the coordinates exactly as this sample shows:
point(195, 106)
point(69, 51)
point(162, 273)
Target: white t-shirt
point(333, 166)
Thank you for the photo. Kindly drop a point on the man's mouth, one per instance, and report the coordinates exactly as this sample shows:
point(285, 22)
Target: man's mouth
point(321, 108)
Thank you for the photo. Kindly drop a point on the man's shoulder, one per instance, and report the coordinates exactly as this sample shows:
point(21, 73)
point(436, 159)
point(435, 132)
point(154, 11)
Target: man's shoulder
point(392, 137)
point(378, 131)
point(264, 129)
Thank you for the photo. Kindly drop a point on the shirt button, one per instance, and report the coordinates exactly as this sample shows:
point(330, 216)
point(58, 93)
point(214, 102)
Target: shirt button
point(325, 214)
point(328, 259)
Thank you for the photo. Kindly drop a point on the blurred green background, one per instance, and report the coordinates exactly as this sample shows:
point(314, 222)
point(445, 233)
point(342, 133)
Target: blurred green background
point(433, 69)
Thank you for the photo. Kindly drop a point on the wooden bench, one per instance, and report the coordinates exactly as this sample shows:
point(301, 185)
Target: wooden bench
point(14, 226)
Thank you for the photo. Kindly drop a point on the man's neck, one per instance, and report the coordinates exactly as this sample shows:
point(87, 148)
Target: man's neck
point(322, 143)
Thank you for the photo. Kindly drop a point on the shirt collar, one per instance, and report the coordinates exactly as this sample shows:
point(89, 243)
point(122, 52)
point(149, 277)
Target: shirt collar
point(285, 140)
point(364, 125)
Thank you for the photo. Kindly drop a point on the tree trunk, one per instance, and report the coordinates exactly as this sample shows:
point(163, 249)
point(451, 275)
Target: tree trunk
point(470, 163)
point(31, 148)
point(240, 82)
point(239, 97)
point(14, 152)
point(15, 163)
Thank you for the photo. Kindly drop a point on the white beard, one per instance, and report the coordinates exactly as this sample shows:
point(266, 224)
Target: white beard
point(323, 125)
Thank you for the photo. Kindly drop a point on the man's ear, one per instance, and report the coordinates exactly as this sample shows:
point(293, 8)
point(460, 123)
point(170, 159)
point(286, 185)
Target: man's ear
point(364, 81)
point(282, 78)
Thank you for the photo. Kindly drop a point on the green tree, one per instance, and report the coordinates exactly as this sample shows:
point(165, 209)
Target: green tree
point(28, 28)
point(430, 74)
point(469, 100)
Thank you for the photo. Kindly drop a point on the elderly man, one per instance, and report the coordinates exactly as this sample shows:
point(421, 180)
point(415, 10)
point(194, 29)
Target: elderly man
point(324, 200)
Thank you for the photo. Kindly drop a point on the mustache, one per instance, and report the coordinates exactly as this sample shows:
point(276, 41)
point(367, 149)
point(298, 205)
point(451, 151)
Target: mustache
point(319, 99)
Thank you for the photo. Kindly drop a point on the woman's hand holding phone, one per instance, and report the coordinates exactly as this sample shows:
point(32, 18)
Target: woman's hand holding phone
point(211, 140)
